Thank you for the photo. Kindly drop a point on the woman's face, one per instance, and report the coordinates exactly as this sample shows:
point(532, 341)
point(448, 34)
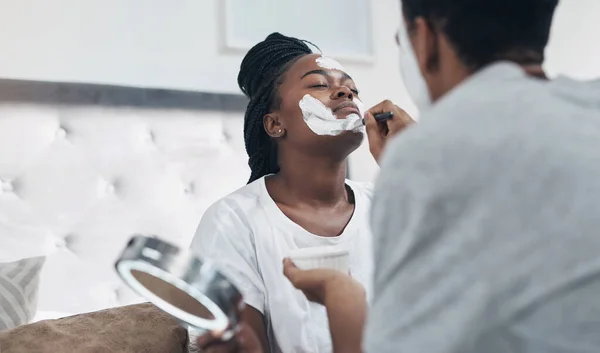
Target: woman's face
point(332, 87)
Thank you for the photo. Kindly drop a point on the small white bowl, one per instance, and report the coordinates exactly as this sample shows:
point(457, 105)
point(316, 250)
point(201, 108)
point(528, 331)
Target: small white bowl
point(326, 257)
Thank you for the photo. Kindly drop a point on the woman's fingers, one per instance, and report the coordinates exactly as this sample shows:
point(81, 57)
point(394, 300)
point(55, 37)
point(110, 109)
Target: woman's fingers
point(245, 341)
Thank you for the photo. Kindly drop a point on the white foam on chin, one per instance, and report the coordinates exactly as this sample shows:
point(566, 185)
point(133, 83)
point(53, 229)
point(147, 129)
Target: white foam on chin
point(321, 120)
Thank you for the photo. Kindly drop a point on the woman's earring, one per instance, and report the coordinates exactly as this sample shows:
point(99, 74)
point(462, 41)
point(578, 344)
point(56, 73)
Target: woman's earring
point(280, 132)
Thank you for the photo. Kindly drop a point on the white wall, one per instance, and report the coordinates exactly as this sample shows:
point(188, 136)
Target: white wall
point(178, 44)
point(148, 43)
point(574, 47)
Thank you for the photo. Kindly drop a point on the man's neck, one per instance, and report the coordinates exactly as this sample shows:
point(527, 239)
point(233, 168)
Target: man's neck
point(536, 71)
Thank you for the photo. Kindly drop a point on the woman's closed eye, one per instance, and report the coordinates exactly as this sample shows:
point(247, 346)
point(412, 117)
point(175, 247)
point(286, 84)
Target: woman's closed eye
point(323, 85)
point(319, 85)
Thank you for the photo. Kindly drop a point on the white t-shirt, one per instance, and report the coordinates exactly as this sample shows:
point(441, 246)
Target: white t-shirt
point(248, 237)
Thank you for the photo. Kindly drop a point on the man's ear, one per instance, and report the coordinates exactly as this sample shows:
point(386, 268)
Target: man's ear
point(425, 43)
point(273, 125)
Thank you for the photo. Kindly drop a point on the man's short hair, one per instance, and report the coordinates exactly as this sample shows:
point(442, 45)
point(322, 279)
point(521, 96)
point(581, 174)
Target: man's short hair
point(484, 31)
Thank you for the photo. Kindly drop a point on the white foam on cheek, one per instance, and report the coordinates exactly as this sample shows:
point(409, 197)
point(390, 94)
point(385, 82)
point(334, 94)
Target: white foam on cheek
point(329, 63)
point(314, 108)
point(321, 120)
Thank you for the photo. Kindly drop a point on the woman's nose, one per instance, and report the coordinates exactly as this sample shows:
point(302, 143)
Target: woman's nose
point(342, 92)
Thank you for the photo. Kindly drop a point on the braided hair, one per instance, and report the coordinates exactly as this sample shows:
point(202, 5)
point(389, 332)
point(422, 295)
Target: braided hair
point(261, 74)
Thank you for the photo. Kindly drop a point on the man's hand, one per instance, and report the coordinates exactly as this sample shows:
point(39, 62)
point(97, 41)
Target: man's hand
point(379, 133)
point(321, 284)
point(343, 297)
point(245, 341)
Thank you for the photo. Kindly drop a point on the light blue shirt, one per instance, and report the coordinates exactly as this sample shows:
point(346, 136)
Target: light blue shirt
point(486, 222)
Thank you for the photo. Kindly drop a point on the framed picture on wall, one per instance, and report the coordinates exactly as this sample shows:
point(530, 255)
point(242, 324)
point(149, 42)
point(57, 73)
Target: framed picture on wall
point(342, 30)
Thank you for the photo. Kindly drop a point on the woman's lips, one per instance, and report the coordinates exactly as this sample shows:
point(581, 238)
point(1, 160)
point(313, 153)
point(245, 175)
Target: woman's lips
point(345, 111)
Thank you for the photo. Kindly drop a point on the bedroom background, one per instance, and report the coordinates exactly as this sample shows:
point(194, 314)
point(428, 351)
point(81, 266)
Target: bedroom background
point(123, 117)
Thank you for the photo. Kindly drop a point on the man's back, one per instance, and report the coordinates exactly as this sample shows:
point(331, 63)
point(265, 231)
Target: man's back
point(487, 222)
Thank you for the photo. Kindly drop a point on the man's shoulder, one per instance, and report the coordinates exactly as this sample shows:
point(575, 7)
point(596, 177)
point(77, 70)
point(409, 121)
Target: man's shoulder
point(462, 137)
point(479, 117)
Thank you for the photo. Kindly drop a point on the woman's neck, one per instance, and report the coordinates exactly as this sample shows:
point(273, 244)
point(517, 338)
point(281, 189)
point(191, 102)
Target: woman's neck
point(314, 181)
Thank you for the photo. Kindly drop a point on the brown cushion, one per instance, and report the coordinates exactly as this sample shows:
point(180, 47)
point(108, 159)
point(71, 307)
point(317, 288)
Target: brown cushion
point(141, 328)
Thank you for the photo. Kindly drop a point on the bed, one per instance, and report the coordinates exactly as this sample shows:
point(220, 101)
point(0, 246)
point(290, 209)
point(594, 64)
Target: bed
point(84, 167)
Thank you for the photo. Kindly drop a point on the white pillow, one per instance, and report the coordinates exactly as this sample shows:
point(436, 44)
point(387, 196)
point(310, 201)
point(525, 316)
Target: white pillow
point(19, 282)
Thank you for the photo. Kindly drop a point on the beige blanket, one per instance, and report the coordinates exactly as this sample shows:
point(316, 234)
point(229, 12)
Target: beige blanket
point(139, 328)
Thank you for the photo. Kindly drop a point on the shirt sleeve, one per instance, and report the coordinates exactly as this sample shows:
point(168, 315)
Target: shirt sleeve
point(426, 298)
point(224, 237)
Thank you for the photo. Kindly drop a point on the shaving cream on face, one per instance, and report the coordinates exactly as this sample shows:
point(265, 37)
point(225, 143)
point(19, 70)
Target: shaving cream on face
point(329, 63)
point(321, 120)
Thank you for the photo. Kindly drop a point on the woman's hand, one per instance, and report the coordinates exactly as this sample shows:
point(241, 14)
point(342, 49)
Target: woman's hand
point(379, 133)
point(245, 341)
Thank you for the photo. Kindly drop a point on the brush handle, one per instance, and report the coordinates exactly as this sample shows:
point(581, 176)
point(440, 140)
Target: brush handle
point(381, 117)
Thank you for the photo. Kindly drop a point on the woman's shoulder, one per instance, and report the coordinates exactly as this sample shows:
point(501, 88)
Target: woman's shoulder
point(237, 204)
point(230, 219)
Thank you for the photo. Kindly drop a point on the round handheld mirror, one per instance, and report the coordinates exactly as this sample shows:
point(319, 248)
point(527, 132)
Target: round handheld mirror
point(177, 282)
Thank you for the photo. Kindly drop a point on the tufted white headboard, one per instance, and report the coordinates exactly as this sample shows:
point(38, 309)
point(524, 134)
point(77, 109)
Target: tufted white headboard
point(86, 174)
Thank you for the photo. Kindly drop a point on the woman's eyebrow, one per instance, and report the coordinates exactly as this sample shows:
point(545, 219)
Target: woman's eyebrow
point(325, 73)
point(316, 72)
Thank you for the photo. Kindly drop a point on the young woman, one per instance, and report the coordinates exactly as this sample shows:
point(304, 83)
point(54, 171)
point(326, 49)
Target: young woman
point(297, 195)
